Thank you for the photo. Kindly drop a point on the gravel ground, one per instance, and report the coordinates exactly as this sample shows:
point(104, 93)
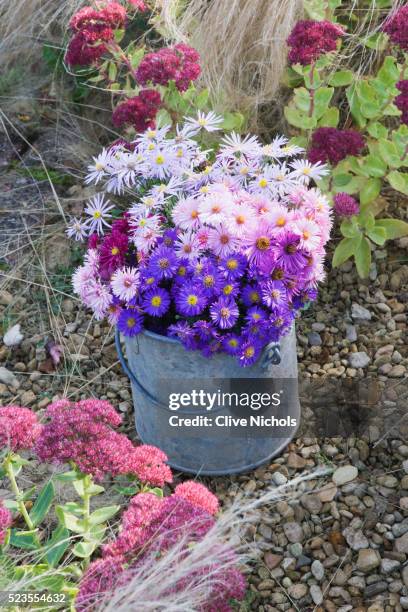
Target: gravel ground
point(340, 541)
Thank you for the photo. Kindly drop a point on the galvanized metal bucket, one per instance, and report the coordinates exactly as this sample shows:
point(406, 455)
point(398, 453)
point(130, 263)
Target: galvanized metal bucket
point(153, 359)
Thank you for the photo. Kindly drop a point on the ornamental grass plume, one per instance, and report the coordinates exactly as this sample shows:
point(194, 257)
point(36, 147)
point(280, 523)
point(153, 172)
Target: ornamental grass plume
point(332, 145)
point(84, 433)
point(5, 522)
point(19, 428)
point(311, 39)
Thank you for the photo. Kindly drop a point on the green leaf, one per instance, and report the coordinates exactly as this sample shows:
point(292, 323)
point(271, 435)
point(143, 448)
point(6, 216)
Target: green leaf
point(354, 103)
point(341, 78)
point(68, 520)
point(157, 491)
point(377, 235)
point(302, 99)
point(137, 57)
point(377, 41)
point(349, 228)
point(394, 228)
point(112, 71)
point(370, 191)
point(322, 99)
point(201, 100)
point(233, 121)
point(377, 130)
point(84, 549)
point(42, 503)
point(57, 545)
point(345, 249)
point(362, 257)
point(398, 181)
point(330, 118)
point(67, 476)
point(23, 539)
point(389, 153)
point(388, 74)
point(96, 533)
point(101, 515)
point(375, 166)
point(341, 180)
point(298, 119)
point(163, 118)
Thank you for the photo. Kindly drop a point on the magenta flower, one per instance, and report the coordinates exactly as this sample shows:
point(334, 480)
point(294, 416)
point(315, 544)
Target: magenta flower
point(139, 112)
point(84, 433)
point(101, 578)
point(345, 205)
point(401, 101)
point(198, 495)
point(332, 145)
point(5, 522)
point(19, 428)
point(112, 253)
point(178, 64)
point(311, 39)
point(396, 26)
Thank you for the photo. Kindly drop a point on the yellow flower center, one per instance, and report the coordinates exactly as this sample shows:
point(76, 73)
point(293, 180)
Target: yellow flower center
point(254, 296)
point(208, 280)
point(249, 351)
point(97, 214)
point(160, 160)
point(232, 264)
point(306, 235)
point(156, 300)
point(233, 342)
point(281, 221)
point(240, 219)
point(131, 322)
point(228, 289)
point(115, 251)
point(263, 183)
point(225, 312)
point(263, 243)
point(182, 271)
point(192, 299)
point(99, 166)
point(163, 263)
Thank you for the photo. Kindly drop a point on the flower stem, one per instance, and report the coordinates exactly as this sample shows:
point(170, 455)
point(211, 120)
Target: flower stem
point(17, 493)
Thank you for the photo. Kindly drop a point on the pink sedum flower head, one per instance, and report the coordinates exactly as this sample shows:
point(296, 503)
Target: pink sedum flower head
point(396, 26)
point(311, 39)
point(345, 205)
point(401, 101)
point(332, 145)
point(198, 495)
point(84, 432)
point(19, 428)
point(6, 521)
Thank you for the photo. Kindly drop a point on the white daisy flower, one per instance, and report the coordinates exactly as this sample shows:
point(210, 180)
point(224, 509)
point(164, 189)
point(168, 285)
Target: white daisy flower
point(209, 122)
point(305, 171)
point(233, 144)
point(100, 168)
point(125, 283)
point(77, 229)
point(98, 211)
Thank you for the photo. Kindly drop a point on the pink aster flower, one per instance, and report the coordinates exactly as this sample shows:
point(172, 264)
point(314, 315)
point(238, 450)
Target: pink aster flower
point(222, 241)
point(96, 296)
point(125, 283)
point(186, 215)
point(309, 232)
point(241, 218)
point(345, 205)
point(198, 495)
point(215, 207)
point(188, 245)
point(396, 26)
point(311, 39)
point(5, 522)
point(19, 428)
point(259, 243)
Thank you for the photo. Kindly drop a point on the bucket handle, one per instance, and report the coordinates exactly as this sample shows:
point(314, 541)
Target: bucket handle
point(129, 372)
point(272, 355)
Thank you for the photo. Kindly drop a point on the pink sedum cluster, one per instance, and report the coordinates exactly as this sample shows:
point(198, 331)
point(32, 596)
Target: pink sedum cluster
point(179, 64)
point(84, 432)
point(5, 522)
point(311, 39)
point(19, 428)
point(150, 527)
point(198, 495)
point(92, 30)
point(396, 27)
point(139, 112)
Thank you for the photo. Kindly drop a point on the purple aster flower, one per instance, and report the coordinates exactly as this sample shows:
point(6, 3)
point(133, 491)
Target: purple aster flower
point(169, 237)
point(183, 271)
point(257, 329)
point(401, 101)
point(156, 301)
point(332, 145)
point(274, 293)
point(208, 277)
point(204, 329)
point(130, 322)
point(345, 205)
point(163, 262)
point(303, 298)
point(251, 295)
point(396, 26)
point(231, 344)
point(311, 39)
point(249, 351)
point(147, 279)
point(280, 322)
point(181, 330)
point(229, 289)
point(289, 254)
point(190, 299)
point(234, 266)
point(256, 314)
point(212, 347)
point(224, 312)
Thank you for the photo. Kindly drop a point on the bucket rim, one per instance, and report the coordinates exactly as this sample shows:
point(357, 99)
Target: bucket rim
point(160, 337)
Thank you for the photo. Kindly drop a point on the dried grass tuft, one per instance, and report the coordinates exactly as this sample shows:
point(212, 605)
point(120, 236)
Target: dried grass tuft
point(241, 42)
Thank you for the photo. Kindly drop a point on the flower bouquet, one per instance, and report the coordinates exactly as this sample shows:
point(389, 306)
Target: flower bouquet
point(218, 248)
